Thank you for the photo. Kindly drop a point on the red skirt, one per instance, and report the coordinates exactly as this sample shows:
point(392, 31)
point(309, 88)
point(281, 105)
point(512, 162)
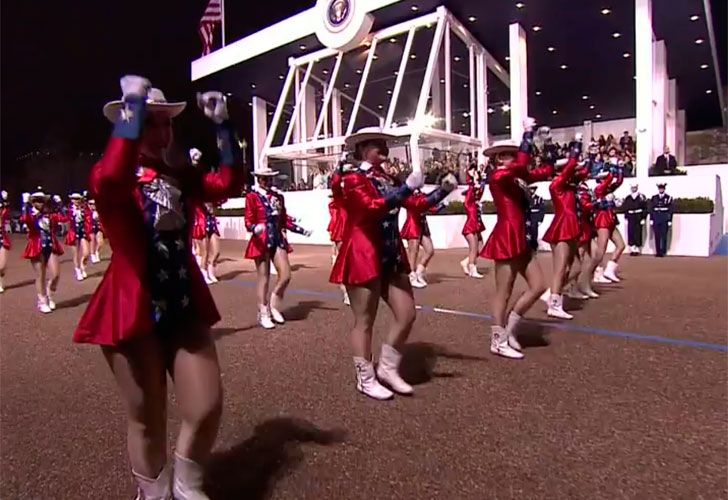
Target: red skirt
point(564, 227)
point(412, 230)
point(507, 241)
point(587, 231)
point(473, 225)
point(198, 231)
point(605, 219)
point(336, 229)
point(33, 248)
point(258, 246)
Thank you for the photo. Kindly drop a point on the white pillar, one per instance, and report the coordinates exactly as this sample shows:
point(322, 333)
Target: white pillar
point(644, 94)
point(660, 98)
point(519, 79)
point(308, 123)
point(588, 133)
point(671, 117)
point(436, 91)
point(481, 96)
point(260, 130)
point(681, 139)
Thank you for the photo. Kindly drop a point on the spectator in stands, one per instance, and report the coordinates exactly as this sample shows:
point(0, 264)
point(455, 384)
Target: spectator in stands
point(628, 164)
point(626, 142)
point(666, 164)
point(320, 179)
point(301, 185)
point(597, 165)
point(602, 141)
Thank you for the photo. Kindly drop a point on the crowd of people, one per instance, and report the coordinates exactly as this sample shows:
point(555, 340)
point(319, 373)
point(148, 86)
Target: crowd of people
point(152, 311)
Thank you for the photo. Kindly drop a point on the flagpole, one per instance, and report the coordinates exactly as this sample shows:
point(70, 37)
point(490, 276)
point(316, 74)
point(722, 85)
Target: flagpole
point(222, 24)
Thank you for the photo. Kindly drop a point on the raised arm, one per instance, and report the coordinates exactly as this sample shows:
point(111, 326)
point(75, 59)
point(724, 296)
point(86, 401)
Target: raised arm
point(359, 192)
point(602, 188)
point(227, 182)
point(113, 178)
point(421, 203)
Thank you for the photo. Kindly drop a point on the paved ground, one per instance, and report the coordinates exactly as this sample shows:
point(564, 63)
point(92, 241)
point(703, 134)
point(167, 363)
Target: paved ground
point(627, 401)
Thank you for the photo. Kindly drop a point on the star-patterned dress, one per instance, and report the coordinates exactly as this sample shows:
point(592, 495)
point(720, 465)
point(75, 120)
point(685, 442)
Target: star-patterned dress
point(4, 219)
point(42, 233)
point(153, 284)
point(81, 224)
point(372, 246)
point(268, 207)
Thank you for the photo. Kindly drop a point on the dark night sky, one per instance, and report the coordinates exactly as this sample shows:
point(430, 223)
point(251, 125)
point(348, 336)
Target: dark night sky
point(61, 61)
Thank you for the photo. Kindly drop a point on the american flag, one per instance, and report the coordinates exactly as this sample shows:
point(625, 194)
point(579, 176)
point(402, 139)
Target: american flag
point(211, 18)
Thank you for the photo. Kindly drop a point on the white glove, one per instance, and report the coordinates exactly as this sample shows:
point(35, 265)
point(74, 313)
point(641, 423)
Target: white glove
point(529, 123)
point(133, 85)
point(652, 223)
point(4, 195)
point(57, 198)
point(669, 224)
point(258, 229)
point(561, 162)
point(448, 183)
point(578, 137)
point(307, 232)
point(415, 180)
point(642, 222)
point(602, 175)
point(25, 197)
point(214, 105)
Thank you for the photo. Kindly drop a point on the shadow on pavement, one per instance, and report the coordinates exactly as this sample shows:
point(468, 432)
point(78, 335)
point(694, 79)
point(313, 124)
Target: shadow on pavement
point(420, 358)
point(302, 310)
point(250, 469)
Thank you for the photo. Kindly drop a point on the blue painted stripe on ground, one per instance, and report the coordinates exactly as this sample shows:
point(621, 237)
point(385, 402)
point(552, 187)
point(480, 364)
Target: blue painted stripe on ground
point(561, 325)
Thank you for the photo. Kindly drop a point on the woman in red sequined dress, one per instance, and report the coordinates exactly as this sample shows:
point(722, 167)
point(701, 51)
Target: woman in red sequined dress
point(372, 262)
point(509, 244)
point(151, 315)
point(4, 236)
point(473, 227)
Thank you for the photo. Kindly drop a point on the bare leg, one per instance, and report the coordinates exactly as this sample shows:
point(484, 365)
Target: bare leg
point(364, 304)
point(196, 375)
point(563, 255)
point(202, 252)
point(83, 254)
point(139, 370)
point(505, 276)
point(599, 251)
point(473, 245)
point(429, 251)
point(262, 267)
point(214, 252)
point(53, 272)
point(93, 246)
point(3, 264)
point(413, 248)
point(402, 304)
point(39, 266)
point(618, 243)
point(533, 275)
point(283, 267)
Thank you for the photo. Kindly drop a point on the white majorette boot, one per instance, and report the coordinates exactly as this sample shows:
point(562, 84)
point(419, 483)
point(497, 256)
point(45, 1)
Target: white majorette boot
point(366, 381)
point(206, 277)
point(83, 272)
point(611, 271)
point(154, 489)
point(49, 297)
point(573, 292)
point(556, 307)
point(513, 320)
point(275, 304)
point(79, 274)
point(599, 276)
point(2, 288)
point(211, 273)
point(347, 302)
point(588, 291)
point(414, 281)
point(473, 271)
point(420, 272)
point(43, 304)
point(464, 264)
point(388, 370)
point(546, 296)
point(188, 480)
point(499, 343)
point(264, 318)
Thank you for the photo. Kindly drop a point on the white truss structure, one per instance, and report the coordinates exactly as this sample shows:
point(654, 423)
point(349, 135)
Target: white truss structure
point(315, 130)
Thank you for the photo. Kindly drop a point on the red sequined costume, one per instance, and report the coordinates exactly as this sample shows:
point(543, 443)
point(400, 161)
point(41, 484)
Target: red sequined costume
point(80, 225)
point(473, 220)
point(42, 231)
point(268, 207)
point(606, 217)
point(4, 236)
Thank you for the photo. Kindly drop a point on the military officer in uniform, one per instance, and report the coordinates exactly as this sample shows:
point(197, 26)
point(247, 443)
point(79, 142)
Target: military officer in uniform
point(661, 219)
point(537, 209)
point(635, 211)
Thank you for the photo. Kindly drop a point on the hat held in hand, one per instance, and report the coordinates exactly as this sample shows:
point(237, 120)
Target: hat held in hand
point(156, 103)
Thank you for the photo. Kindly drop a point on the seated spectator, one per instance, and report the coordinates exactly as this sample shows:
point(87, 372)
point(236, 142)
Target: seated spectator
point(628, 164)
point(301, 185)
point(597, 165)
point(626, 142)
point(666, 164)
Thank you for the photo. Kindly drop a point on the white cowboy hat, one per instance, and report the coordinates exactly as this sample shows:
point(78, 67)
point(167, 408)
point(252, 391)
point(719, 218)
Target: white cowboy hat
point(505, 146)
point(39, 194)
point(265, 172)
point(75, 196)
point(156, 103)
point(366, 134)
point(194, 152)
